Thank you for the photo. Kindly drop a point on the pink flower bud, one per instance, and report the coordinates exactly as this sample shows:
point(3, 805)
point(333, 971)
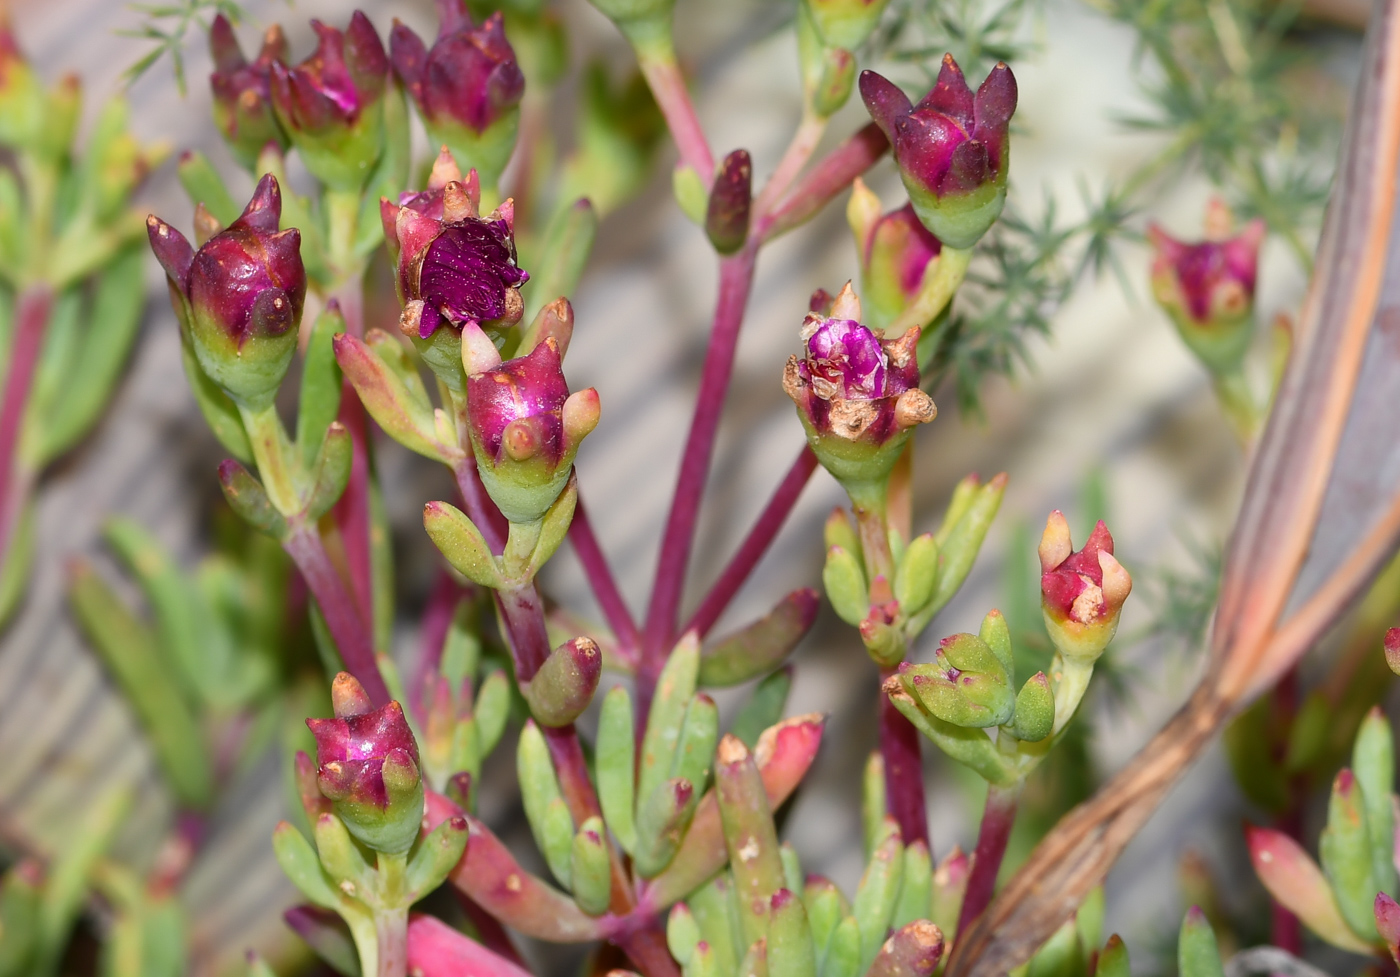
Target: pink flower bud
point(1207, 288)
point(895, 252)
point(367, 765)
point(1082, 593)
point(525, 429)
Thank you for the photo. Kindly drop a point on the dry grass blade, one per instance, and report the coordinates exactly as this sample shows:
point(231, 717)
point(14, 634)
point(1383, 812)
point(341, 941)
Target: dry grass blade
point(1320, 516)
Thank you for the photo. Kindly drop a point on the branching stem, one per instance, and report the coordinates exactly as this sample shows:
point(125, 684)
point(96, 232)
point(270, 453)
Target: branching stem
point(33, 307)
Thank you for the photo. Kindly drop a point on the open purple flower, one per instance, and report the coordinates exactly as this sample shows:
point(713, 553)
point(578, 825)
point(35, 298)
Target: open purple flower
point(952, 149)
point(243, 91)
point(858, 395)
point(1082, 591)
point(467, 86)
point(1207, 288)
point(240, 296)
point(331, 104)
point(455, 267)
point(367, 765)
point(526, 427)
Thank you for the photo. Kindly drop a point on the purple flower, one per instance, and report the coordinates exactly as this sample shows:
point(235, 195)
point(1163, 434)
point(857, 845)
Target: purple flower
point(952, 149)
point(467, 86)
point(1207, 288)
point(454, 266)
point(243, 91)
point(331, 103)
point(367, 765)
point(240, 296)
point(858, 395)
point(525, 426)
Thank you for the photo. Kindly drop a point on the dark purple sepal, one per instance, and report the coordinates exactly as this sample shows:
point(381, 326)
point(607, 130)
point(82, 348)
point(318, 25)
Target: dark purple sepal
point(239, 297)
point(243, 91)
point(952, 148)
point(331, 104)
point(467, 86)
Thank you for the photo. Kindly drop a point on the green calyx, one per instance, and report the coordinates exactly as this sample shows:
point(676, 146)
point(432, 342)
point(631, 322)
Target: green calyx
point(959, 220)
point(486, 151)
point(343, 156)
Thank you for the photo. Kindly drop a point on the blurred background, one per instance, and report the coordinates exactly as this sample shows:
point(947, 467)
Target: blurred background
point(1105, 415)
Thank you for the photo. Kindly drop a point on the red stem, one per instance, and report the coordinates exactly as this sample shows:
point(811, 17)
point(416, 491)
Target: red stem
point(997, 818)
point(432, 632)
point(32, 310)
point(824, 181)
point(668, 87)
point(522, 609)
point(604, 584)
point(482, 510)
point(343, 619)
point(567, 753)
point(765, 530)
point(647, 949)
point(735, 280)
point(904, 772)
point(352, 509)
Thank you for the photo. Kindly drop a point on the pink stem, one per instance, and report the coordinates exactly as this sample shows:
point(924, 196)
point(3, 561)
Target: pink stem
point(997, 818)
point(352, 510)
point(799, 151)
point(31, 322)
point(735, 280)
point(437, 619)
point(347, 627)
point(482, 510)
point(904, 772)
point(601, 579)
point(667, 84)
point(828, 178)
point(522, 609)
point(760, 537)
point(567, 753)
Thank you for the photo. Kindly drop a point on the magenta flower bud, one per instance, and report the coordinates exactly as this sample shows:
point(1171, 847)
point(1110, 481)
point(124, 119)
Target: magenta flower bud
point(243, 91)
point(1208, 290)
point(239, 298)
point(1081, 592)
point(952, 149)
point(367, 765)
point(858, 395)
point(526, 427)
point(895, 253)
point(331, 105)
point(467, 86)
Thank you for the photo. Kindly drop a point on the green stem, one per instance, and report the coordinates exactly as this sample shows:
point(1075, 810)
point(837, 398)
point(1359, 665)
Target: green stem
point(272, 450)
point(1070, 677)
point(391, 916)
point(870, 503)
point(937, 290)
point(342, 223)
point(1239, 405)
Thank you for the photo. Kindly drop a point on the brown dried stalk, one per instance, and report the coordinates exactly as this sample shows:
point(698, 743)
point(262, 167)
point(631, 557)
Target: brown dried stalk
point(1321, 515)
